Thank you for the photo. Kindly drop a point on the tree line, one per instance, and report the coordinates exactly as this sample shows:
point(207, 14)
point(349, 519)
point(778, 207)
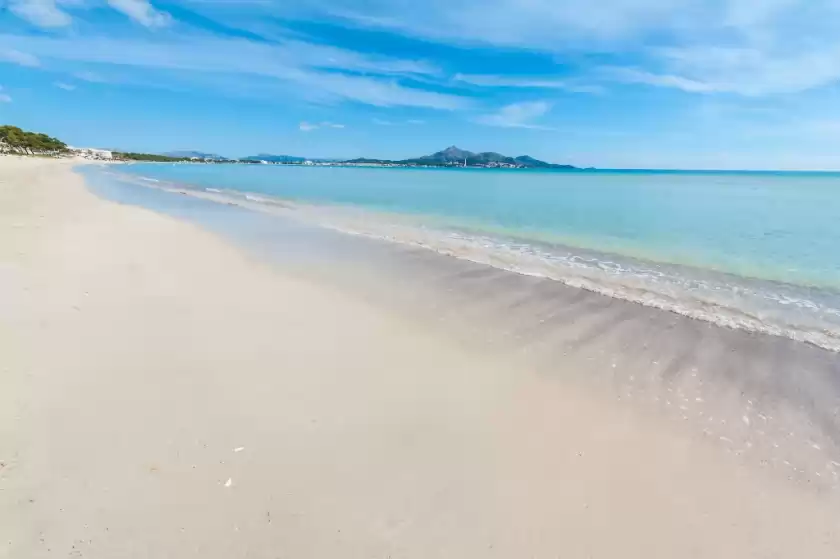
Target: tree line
point(148, 157)
point(16, 140)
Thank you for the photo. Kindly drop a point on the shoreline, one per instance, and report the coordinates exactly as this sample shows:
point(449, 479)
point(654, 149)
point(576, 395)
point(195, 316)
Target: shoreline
point(768, 399)
point(202, 381)
point(409, 230)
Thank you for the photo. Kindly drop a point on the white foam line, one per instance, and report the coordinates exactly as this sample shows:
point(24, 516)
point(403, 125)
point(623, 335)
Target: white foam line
point(713, 312)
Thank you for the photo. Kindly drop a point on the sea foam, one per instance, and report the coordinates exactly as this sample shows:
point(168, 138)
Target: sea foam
point(803, 313)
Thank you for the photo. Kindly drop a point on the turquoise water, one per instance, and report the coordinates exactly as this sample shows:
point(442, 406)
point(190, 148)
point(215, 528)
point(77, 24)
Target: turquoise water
point(753, 250)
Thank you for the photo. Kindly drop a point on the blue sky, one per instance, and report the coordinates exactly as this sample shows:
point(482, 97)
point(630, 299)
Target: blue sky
point(611, 83)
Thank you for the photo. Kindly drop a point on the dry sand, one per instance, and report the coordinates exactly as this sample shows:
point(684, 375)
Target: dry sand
point(162, 394)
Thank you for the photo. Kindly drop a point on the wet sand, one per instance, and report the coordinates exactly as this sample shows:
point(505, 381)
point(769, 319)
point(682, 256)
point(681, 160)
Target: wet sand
point(171, 390)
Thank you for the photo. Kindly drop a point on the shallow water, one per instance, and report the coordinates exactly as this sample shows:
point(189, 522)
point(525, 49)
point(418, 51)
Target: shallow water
point(756, 251)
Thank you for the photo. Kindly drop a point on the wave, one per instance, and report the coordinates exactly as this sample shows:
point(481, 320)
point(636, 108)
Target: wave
point(806, 314)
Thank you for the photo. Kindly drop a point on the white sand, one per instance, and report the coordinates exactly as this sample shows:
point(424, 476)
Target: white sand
point(162, 395)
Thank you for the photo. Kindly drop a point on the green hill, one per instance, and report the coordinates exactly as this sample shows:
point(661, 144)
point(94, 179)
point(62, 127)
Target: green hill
point(455, 156)
point(16, 140)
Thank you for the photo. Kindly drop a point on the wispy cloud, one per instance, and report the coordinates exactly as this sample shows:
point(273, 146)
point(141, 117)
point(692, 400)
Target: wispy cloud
point(742, 47)
point(754, 71)
point(19, 58)
point(383, 122)
point(142, 12)
point(4, 97)
point(746, 72)
point(324, 56)
point(65, 86)
point(43, 13)
point(309, 127)
point(534, 82)
point(54, 14)
point(328, 86)
point(333, 78)
point(633, 75)
point(92, 77)
point(511, 23)
point(518, 115)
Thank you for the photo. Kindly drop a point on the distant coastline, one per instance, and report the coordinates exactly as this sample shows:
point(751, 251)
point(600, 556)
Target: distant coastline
point(17, 141)
point(449, 157)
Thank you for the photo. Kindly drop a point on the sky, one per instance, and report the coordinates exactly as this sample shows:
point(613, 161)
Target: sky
point(692, 84)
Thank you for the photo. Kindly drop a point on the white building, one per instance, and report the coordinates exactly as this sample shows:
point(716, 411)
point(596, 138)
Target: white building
point(91, 153)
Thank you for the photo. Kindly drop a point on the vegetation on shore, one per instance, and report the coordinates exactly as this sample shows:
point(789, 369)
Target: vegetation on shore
point(454, 156)
point(129, 156)
point(16, 140)
point(22, 142)
point(156, 158)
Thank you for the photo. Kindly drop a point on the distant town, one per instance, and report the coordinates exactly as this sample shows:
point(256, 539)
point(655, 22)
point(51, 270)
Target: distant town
point(449, 157)
point(13, 140)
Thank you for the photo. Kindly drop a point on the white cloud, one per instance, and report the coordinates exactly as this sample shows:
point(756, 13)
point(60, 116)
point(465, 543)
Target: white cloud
point(142, 12)
point(546, 24)
point(517, 115)
point(323, 56)
point(204, 55)
point(485, 80)
point(747, 72)
point(308, 127)
point(92, 77)
point(327, 86)
point(743, 47)
point(43, 13)
point(382, 122)
point(755, 71)
point(19, 58)
point(50, 13)
point(4, 98)
point(65, 86)
point(632, 75)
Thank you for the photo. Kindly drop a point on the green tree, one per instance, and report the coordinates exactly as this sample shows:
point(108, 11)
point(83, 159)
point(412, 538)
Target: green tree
point(16, 140)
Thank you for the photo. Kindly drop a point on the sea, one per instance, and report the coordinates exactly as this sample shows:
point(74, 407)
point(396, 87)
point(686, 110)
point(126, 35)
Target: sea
point(757, 251)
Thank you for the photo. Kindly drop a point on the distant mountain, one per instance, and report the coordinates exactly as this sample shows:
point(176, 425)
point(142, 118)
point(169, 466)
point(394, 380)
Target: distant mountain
point(274, 158)
point(190, 154)
point(454, 156)
point(528, 161)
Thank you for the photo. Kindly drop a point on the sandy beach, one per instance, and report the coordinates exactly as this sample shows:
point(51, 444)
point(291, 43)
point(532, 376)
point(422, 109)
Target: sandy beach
point(164, 393)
